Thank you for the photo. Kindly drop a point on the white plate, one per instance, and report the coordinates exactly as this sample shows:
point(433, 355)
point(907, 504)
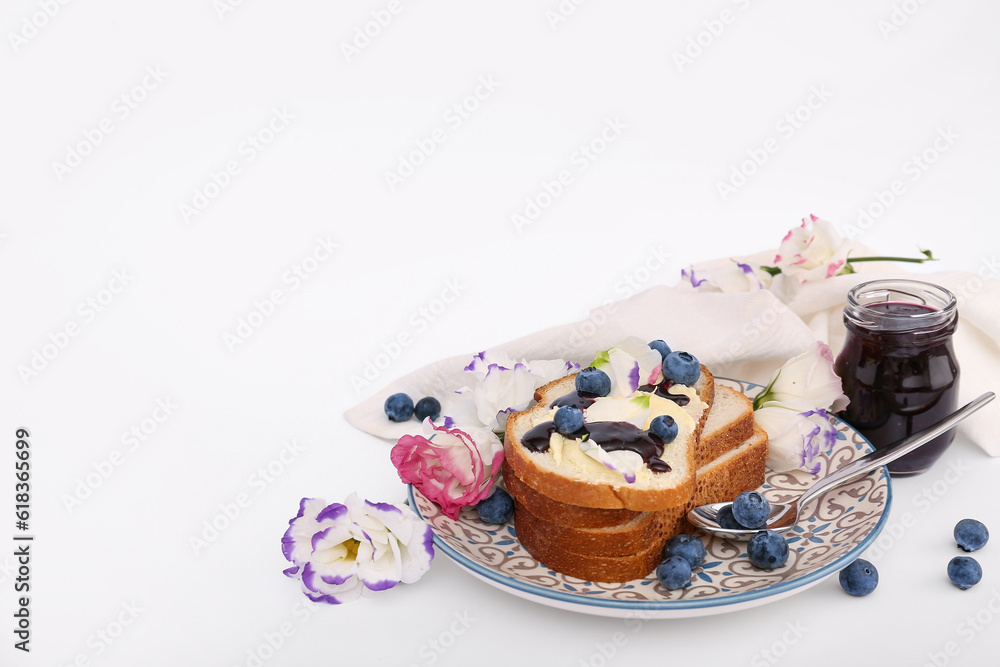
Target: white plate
point(847, 519)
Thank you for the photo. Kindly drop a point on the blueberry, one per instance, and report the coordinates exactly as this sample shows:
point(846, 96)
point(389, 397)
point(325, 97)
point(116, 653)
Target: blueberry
point(593, 381)
point(674, 573)
point(971, 535)
point(751, 509)
point(727, 520)
point(767, 550)
point(688, 547)
point(660, 347)
point(399, 407)
point(681, 368)
point(427, 406)
point(664, 427)
point(497, 508)
point(964, 571)
point(568, 420)
point(859, 578)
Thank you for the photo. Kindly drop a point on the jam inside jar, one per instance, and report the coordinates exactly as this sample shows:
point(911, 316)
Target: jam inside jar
point(898, 366)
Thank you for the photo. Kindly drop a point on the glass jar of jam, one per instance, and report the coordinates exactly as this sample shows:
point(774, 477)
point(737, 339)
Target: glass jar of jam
point(898, 365)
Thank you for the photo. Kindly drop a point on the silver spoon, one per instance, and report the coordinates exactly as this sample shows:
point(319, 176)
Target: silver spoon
point(785, 515)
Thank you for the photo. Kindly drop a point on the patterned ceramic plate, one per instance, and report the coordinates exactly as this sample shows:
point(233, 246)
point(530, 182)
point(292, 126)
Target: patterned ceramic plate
point(847, 520)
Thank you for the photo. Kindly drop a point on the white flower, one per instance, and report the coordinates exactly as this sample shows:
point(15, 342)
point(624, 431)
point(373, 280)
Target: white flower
point(808, 378)
point(796, 436)
point(726, 275)
point(503, 385)
point(812, 252)
point(340, 552)
point(630, 364)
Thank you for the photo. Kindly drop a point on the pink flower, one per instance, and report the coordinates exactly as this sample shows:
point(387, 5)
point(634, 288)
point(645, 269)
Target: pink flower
point(449, 466)
point(812, 252)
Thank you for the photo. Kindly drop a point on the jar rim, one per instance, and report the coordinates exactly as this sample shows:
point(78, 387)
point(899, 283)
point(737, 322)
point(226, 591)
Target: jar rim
point(919, 292)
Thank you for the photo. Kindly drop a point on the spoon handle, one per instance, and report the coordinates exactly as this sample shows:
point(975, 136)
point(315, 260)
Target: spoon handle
point(883, 456)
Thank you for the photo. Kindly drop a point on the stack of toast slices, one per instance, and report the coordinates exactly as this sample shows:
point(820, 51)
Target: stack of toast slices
point(599, 527)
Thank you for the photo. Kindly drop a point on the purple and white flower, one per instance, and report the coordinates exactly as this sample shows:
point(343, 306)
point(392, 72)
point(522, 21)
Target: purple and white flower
point(630, 364)
point(726, 275)
point(343, 551)
point(503, 385)
point(796, 436)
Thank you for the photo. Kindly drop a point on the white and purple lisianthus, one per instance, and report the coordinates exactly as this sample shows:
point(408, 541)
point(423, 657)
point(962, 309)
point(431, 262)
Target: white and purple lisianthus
point(796, 436)
point(793, 406)
point(343, 551)
point(630, 364)
point(503, 385)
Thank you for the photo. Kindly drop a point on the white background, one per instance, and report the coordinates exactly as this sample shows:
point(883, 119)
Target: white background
point(654, 190)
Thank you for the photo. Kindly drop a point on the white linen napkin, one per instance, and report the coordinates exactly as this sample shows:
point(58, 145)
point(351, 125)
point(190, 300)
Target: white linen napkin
point(741, 335)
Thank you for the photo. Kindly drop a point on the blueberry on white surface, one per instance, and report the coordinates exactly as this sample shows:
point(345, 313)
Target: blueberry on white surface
point(971, 535)
point(399, 407)
point(427, 406)
point(964, 571)
point(859, 578)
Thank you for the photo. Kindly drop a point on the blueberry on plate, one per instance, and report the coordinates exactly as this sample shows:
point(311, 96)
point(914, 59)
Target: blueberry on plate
point(497, 508)
point(964, 571)
point(859, 578)
point(664, 427)
point(399, 407)
point(428, 406)
point(568, 420)
point(688, 547)
point(751, 509)
point(681, 368)
point(726, 519)
point(674, 573)
point(593, 381)
point(971, 535)
point(660, 347)
point(767, 550)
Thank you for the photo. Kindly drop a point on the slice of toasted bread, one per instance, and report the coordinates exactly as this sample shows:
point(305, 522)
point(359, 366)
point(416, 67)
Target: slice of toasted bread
point(584, 482)
point(596, 554)
point(729, 424)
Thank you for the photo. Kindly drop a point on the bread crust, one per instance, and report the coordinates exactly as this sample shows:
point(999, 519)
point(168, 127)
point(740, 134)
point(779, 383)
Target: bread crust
point(599, 494)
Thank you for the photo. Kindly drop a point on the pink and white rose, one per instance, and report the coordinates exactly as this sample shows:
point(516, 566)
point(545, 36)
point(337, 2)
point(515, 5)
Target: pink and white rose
point(812, 252)
point(452, 467)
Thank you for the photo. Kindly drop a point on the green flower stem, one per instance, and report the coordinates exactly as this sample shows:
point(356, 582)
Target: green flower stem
point(892, 259)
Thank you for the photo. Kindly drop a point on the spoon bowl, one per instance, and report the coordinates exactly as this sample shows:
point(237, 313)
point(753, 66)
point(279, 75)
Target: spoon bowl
point(786, 515)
